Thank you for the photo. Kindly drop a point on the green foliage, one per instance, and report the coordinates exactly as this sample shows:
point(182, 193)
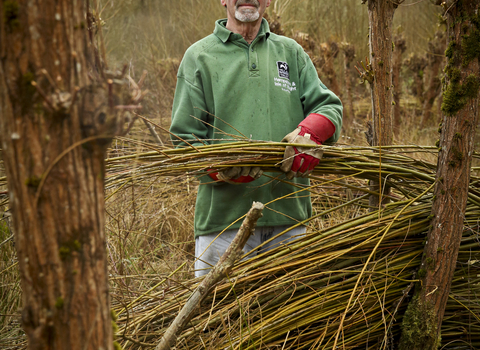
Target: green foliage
point(33, 181)
point(457, 95)
point(27, 80)
point(430, 262)
point(59, 303)
point(476, 20)
point(471, 47)
point(471, 42)
point(4, 230)
point(114, 327)
point(11, 10)
point(419, 327)
point(64, 252)
point(457, 154)
point(450, 49)
point(77, 245)
point(68, 247)
point(113, 315)
point(26, 92)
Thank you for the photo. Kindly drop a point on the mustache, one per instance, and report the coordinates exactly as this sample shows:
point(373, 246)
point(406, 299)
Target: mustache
point(249, 2)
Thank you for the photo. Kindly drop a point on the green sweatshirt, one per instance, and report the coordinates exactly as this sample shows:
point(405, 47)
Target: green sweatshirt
point(263, 91)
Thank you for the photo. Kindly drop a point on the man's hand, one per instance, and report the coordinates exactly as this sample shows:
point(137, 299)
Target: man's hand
point(300, 161)
point(237, 175)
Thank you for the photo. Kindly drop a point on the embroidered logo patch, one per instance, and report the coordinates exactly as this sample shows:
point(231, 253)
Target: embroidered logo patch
point(283, 70)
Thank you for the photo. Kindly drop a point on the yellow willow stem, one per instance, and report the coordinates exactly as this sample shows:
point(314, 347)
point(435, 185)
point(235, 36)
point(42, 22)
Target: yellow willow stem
point(148, 291)
point(340, 327)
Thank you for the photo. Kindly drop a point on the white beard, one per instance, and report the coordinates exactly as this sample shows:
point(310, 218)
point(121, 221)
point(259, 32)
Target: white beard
point(247, 15)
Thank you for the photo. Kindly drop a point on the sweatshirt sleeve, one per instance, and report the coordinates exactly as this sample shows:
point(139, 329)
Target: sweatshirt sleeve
point(189, 117)
point(316, 98)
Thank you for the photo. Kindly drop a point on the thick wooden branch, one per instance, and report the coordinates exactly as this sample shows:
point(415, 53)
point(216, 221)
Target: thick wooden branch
point(219, 271)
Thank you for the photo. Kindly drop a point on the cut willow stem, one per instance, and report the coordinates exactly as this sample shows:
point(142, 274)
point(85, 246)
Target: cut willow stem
point(340, 327)
point(220, 270)
point(153, 132)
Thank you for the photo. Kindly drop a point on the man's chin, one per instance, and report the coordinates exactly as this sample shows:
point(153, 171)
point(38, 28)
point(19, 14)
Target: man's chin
point(247, 15)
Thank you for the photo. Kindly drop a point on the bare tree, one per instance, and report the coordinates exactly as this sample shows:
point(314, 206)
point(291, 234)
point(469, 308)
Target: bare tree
point(329, 51)
point(436, 57)
point(400, 47)
point(379, 75)
point(416, 64)
point(348, 55)
point(59, 111)
point(423, 319)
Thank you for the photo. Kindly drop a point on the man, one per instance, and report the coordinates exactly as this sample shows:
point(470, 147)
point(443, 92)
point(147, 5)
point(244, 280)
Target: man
point(244, 80)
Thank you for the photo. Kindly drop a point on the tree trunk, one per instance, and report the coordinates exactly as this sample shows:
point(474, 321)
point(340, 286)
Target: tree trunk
point(329, 51)
point(435, 55)
point(417, 64)
point(55, 125)
point(349, 56)
point(380, 16)
point(400, 48)
point(460, 109)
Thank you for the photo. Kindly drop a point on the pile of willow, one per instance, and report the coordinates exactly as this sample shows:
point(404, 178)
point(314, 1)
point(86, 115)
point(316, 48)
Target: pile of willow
point(345, 286)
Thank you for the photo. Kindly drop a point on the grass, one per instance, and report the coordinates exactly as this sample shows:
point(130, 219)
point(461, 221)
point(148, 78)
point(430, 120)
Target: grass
point(10, 291)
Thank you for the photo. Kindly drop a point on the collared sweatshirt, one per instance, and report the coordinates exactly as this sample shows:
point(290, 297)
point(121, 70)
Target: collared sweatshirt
point(262, 91)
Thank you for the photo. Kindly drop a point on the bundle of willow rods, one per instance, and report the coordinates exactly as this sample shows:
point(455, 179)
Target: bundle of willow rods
point(294, 297)
point(346, 286)
point(408, 175)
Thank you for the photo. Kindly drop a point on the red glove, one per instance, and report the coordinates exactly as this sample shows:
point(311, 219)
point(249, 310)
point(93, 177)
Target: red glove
point(237, 175)
point(313, 130)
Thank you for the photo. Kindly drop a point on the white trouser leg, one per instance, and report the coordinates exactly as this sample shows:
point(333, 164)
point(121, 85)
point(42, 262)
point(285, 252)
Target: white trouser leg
point(271, 231)
point(209, 248)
